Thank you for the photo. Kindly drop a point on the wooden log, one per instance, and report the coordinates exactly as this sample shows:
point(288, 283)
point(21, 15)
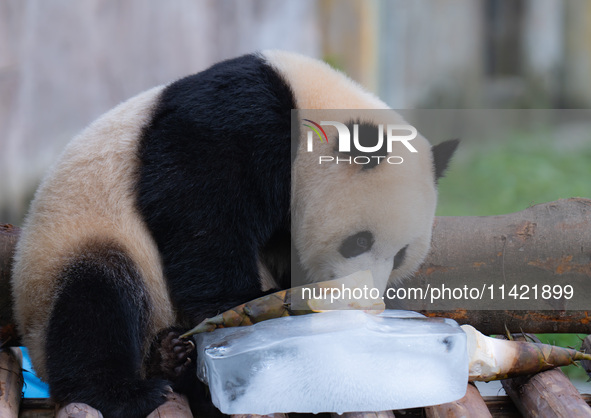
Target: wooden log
point(77, 410)
point(8, 237)
point(11, 382)
point(546, 242)
point(380, 414)
point(499, 321)
point(37, 413)
point(278, 415)
point(501, 407)
point(177, 406)
point(37, 408)
point(471, 405)
point(546, 394)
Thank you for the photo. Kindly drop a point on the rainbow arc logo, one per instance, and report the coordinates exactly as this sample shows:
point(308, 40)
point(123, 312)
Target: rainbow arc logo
point(317, 128)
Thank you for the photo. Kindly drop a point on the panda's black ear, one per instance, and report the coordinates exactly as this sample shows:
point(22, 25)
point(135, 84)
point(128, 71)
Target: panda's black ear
point(442, 154)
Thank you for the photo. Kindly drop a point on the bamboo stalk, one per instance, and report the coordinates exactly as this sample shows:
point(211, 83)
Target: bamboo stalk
point(11, 382)
point(279, 304)
point(496, 359)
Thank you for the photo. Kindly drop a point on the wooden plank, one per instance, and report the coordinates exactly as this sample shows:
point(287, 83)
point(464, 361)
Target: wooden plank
point(37, 413)
point(37, 408)
point(11, 382)
point(8, 237)
point(501, 407)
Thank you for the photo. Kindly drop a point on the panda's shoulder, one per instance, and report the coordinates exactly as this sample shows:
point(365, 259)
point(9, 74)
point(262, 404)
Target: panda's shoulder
point(230, 93)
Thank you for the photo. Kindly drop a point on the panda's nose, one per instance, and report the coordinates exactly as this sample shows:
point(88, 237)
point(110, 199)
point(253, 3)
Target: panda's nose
point(399, 258)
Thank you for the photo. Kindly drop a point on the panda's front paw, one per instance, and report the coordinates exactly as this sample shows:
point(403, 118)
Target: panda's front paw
point(178, 354)
point(171, 357)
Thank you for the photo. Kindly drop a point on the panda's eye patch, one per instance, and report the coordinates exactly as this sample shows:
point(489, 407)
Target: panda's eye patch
point(356, 244)
point(399, 258)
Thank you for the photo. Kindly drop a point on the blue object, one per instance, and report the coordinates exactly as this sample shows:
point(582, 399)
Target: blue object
point(33, 387)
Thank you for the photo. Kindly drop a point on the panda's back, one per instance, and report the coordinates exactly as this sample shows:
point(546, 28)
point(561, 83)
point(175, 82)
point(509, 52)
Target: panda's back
point(86, 199)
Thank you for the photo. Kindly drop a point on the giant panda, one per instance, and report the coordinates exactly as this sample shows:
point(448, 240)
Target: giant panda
point(178, 203)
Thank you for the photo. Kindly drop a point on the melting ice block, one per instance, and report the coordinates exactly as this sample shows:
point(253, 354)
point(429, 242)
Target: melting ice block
point(340, 361)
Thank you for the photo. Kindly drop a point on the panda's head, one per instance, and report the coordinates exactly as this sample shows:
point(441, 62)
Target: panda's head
point(352, 217)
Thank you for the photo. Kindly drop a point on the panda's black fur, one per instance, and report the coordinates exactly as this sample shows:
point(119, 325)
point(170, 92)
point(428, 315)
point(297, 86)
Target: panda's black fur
point(211, 144)
point(95, 336)
point(219, 140)
point(211, 185)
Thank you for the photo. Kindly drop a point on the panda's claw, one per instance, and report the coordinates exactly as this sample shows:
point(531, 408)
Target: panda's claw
point(171, 356)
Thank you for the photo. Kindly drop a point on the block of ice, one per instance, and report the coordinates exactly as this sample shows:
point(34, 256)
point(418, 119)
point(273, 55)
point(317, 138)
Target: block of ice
point(340, 361)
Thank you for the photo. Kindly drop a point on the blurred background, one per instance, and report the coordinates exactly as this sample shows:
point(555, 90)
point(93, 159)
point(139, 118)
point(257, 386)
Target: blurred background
point(63, 63)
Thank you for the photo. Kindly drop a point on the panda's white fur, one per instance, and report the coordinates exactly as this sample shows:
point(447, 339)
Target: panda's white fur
point(86, 194)
point(318, 86)
point(397, 202)
point(89, 197)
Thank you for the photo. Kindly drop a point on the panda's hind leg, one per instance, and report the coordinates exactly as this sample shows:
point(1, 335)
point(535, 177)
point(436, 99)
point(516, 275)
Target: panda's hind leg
point(96, 333)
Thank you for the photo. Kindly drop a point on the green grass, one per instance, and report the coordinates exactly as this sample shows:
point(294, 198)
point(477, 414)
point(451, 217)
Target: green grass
point(510, 174)
point(513, 173)
point(574, 372)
